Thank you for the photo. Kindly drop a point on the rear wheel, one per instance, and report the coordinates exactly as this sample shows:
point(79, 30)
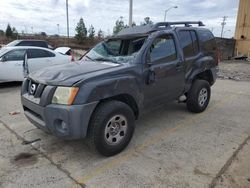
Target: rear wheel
point(111, 127)
point(198, 97)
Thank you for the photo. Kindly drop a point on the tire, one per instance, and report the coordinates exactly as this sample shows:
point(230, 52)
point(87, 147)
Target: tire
point(198, 96)
point(111, 128)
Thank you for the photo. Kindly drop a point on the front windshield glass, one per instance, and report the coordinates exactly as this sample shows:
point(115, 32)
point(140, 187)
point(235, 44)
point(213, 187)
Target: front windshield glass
point(116, 50)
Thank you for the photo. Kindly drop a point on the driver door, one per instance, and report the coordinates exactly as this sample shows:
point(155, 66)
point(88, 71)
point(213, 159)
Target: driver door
point(11, 66)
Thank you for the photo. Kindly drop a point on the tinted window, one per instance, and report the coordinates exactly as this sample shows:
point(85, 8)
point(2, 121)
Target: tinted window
point(195, 42)
point(33, 43)
point(15, 55)
point(37, 53)
point(208, 40)
point(163, 49)
point(186, 43)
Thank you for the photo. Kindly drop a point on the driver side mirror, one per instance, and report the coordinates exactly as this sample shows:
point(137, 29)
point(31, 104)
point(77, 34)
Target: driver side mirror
point(3, 59)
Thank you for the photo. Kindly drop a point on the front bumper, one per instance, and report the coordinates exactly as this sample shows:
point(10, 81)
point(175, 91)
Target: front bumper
point(67, 122)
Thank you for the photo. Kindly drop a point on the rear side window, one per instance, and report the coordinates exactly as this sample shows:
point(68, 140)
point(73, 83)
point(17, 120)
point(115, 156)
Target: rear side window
point(207, 39)
point(33, 43)
point(38, 53)
point(189, 43)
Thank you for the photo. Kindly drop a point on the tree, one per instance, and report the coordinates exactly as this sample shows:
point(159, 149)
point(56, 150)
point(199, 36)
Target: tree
point(14, 33)
point(147, 21)
point(8, 32)
point(100, 34)
point(119, 25)
point(91, 32)
point(81, 31)
point(133, 24)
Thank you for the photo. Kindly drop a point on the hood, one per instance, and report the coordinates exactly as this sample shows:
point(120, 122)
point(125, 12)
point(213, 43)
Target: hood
point(69, 74)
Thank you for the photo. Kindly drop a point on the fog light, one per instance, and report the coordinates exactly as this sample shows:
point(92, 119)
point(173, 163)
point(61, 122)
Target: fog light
point(61, 126)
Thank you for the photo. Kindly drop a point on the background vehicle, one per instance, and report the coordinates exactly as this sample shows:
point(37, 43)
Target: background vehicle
point(38, 43)
point(12, 58)
point(121, 78)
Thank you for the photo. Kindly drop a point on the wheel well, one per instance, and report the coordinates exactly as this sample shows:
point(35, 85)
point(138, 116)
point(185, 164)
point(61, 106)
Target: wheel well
point(206, 75)
point(127, 99)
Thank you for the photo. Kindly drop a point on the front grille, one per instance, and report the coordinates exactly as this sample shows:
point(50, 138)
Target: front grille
point(35, 89)
point(41, 95)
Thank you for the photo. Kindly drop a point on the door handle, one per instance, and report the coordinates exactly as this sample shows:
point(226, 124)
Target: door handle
point(17, 64)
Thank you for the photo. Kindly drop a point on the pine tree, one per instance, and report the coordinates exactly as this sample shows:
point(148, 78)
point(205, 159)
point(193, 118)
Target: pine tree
point(91, 32)
point(147, 21)
point(119, 25)
point(8, 32)
point(100, 34)
point(81, 31)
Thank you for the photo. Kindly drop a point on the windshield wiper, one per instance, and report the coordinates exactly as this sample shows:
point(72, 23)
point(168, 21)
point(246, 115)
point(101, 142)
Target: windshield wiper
point(89, 58)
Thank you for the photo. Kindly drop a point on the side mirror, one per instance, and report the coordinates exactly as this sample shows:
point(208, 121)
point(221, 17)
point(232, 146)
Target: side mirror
point(3, 59)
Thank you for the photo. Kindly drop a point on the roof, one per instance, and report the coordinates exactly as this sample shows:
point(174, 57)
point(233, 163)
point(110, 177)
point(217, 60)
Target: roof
point(146, 29)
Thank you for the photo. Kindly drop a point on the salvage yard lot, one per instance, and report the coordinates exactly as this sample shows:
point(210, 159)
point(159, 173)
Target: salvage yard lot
point(171, 147)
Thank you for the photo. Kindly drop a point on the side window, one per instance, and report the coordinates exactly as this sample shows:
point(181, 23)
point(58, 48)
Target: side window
point(186, 43)
point(15, 55)
point(37, 53)
point(208, 40)
point(163, 49)
point(195, 42)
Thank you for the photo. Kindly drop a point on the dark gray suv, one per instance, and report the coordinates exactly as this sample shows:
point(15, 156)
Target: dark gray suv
point(102, 95)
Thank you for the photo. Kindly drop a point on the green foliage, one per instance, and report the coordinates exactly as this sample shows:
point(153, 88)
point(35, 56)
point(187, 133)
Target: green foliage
point(14, 33)
point(91, 32)
point(81, 31)
point(147, 21)
point(119, 25)
point(100, 34)
point(8, 32)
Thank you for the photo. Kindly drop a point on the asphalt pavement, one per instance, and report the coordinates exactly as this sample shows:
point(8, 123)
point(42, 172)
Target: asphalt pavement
point(171, 147)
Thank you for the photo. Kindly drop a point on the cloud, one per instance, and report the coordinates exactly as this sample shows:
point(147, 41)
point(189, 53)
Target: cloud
point(44, 15)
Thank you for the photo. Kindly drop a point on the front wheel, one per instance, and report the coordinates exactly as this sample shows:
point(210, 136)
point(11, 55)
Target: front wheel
point(198, 97)
point(111, 127)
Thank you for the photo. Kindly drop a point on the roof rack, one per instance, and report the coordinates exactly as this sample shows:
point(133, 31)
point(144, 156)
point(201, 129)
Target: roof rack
point(169, 24)
point(140, 30)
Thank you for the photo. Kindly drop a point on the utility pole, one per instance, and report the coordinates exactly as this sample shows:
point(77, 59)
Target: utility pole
point(223, 25)
point(67, 12)
point(58, 29)
point(130, 13)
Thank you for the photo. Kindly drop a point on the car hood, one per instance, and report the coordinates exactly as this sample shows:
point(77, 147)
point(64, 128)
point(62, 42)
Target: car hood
point(69, 74)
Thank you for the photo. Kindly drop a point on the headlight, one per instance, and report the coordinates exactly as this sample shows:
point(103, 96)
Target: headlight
point(65, 95)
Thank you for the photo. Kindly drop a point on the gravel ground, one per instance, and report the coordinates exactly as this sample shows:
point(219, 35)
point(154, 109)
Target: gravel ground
point(235, 70)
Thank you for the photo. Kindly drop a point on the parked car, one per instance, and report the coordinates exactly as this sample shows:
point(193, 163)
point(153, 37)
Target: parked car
point(63, 50)
point(121, 78)
point(12, 59)
point(38, 43)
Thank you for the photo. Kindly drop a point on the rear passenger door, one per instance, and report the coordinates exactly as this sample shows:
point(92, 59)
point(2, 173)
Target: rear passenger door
point(38, 59)
point(190, 46)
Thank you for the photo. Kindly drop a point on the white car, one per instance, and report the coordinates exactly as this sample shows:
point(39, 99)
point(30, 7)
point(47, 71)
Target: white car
point(12, 60)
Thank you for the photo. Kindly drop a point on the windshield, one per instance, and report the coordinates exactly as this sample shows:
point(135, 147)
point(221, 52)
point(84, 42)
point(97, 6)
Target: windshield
point(116, 50)
point(2, 51)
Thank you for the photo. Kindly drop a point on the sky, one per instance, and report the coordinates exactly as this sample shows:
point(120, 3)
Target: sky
point(50, 15)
